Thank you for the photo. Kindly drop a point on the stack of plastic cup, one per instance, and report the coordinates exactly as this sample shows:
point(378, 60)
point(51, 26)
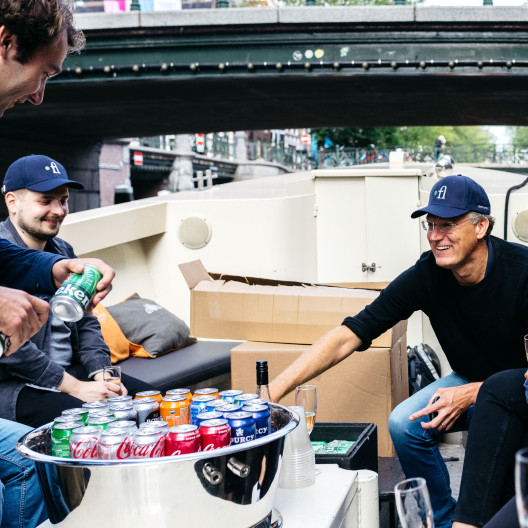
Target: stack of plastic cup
point(298, 462)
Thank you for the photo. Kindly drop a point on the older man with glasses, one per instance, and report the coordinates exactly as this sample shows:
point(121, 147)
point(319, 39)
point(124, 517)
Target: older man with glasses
point(474, 289)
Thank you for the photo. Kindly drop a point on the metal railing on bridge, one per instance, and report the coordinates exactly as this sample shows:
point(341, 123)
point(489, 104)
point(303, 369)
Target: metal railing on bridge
point(484, 153)
point(223, 146)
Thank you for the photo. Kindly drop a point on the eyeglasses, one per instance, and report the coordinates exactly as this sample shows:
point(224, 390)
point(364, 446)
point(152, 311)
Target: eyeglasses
point(443, 227)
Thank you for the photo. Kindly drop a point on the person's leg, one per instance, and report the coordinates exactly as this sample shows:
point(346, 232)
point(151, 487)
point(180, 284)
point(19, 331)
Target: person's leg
point(418, 451)
point(499, 420)
point(23, 505)
point(506, 517)
point(134, 385)
point(37, 407)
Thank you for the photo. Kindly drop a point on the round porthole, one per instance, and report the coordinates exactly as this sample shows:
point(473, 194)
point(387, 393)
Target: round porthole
point(194, 232)
point(520, 226)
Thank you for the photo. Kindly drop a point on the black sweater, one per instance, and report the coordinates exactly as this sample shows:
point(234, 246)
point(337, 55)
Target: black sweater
point(480, 328)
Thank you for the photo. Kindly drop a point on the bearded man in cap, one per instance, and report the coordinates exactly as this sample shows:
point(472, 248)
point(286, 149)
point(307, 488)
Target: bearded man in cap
point(62, 365)
point(474, 289)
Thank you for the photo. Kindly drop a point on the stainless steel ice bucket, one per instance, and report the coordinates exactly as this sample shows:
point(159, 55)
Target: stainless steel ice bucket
point(229, 487)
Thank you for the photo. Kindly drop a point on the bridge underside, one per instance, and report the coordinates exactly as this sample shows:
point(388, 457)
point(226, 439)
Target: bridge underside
point(248, 69)
point(143, 108)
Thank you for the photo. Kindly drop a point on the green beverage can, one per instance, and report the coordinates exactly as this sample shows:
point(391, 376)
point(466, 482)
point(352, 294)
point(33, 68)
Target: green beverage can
point(101, 421)
point(76, 411)
point(75, 294)
point(60, 438)
point(67, 419)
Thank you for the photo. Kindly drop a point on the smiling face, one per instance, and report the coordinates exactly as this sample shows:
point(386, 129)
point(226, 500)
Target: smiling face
point(38, 216)
point(26, 82)
point(459, 249)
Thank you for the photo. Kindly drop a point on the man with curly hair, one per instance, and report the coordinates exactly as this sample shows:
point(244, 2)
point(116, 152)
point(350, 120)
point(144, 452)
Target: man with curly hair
point(35, 37)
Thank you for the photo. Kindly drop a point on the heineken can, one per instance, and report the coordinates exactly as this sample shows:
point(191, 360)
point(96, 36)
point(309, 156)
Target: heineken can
point(75, 294)
point(67, 419)
point(76, 411)
point(60, 438)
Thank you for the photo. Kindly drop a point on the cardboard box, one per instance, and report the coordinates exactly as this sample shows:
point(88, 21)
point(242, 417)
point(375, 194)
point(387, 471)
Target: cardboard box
point(252, 309)
point(365, 387)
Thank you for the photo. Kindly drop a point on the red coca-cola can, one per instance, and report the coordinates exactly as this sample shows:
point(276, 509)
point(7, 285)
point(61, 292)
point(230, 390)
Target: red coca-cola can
point(148, 443)
point(115, 444)
point(215, 434)
point(83, 442)
point(183, 439)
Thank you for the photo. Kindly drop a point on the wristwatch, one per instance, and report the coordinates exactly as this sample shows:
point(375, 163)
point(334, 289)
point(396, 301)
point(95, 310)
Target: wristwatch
point(5, 343)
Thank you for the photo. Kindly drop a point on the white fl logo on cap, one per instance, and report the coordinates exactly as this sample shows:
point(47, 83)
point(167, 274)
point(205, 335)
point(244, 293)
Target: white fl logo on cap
point(442, 193)
point(54, 168)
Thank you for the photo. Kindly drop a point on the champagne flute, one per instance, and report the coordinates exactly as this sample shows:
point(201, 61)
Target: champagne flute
point(521, 486)
point(413, 504)
point(306, 397)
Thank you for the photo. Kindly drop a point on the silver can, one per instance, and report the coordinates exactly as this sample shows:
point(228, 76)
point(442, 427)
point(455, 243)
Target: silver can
point(157, 424)
point(119, 399)
point(83, 442)
point(147, 409)
point(115, 444)
point(124, 425)
point(95, 405)
point(123, 411)
point(101, 421)
point(149, 442)
point(100, 412)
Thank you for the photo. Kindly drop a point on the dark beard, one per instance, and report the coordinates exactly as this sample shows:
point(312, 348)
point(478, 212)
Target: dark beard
point(43, 237)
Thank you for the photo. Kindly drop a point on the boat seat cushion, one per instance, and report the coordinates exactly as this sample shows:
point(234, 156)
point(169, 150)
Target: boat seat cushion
point(146, 323)
point(190, 365)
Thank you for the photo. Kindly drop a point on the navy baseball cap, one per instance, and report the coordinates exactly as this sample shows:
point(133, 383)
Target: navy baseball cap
point(455, 195)
point(37, 173)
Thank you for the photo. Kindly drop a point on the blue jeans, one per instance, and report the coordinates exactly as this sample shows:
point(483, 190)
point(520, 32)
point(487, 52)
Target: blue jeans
point(418, 450)
point(21, 502)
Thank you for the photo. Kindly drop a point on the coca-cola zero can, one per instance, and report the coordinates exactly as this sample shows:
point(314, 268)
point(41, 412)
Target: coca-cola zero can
point(149, 442)
point(83, 442)
point(115, 445)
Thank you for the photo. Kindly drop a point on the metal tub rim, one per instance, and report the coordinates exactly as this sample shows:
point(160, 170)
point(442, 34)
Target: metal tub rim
point(26, 452)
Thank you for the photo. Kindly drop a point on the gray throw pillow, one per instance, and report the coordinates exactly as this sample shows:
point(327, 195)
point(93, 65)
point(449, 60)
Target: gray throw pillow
point(146, 323)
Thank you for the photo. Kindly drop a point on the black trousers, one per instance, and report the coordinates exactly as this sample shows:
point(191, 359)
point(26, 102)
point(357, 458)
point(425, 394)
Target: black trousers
point(498, 429)
point(37, 407)
point(506, 517)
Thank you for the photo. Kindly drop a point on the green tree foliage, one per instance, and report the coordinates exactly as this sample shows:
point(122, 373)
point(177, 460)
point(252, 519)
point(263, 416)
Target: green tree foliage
point(394, 137)
point(519, 135)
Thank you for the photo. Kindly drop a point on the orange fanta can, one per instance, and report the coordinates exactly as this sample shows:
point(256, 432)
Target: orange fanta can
point(175, 410)
point(149, 394)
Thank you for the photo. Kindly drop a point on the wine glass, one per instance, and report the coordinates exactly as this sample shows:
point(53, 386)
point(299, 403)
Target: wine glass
point(112, 374)
point(413, 503)
point(521, 486)
point(306, 397)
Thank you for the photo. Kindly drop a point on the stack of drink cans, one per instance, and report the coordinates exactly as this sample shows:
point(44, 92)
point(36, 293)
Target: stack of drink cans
point(151, 426)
